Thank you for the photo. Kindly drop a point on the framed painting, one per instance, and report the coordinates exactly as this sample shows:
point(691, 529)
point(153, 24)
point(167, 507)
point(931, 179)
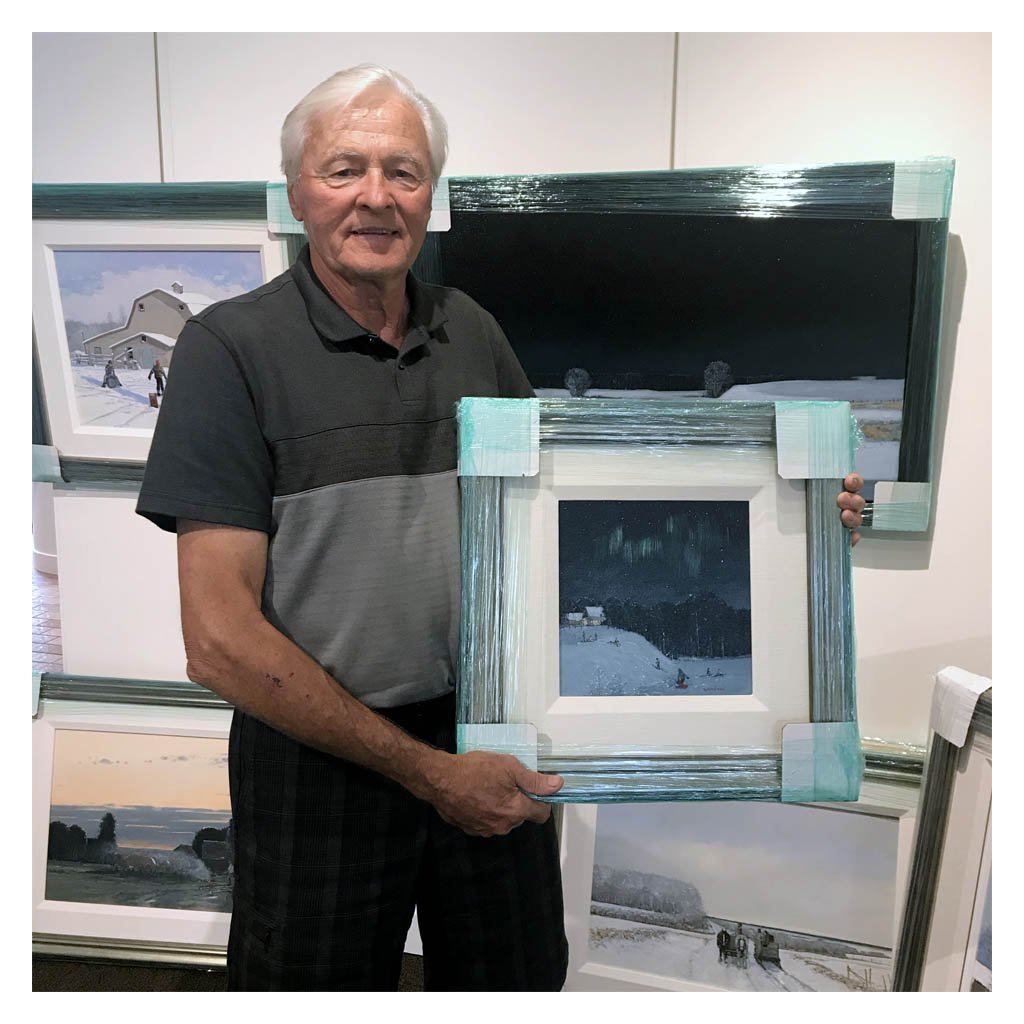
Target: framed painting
point(673, 898)
point(656, 598)
point(132, 834)
point(117, 271)
point(131, 821)
point(946, 935)
point(744, 283)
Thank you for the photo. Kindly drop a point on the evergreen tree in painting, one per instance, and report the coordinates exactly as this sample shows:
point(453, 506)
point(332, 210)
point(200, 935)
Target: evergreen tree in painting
point(108, 827)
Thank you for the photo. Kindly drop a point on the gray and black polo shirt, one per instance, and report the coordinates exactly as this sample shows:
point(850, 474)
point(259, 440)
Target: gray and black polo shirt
point(282, 414)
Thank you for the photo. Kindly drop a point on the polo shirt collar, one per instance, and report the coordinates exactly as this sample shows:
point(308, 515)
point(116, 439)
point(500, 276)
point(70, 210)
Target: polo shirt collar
point(334, 323)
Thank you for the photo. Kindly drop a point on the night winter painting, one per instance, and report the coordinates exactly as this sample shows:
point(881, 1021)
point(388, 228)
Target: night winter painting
point(654, 598)
point(748, 896)
point(140, 820)
point(123, 311)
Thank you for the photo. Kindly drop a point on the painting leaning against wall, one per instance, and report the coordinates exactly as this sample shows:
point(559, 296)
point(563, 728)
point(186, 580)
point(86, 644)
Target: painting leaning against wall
point(140, 820)
point(122, 312)
point(746, 896)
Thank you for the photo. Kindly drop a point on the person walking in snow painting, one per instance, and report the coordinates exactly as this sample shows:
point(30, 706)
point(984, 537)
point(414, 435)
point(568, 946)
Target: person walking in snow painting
point(157, 373)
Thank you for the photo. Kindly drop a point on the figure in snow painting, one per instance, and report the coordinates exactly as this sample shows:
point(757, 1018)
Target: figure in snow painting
point(654, 598)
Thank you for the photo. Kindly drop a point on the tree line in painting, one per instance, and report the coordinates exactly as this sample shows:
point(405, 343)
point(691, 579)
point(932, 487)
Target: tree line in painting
point(69, 842)
point(702, 626)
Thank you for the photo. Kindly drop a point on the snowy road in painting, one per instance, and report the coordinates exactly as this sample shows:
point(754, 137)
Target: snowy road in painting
point(693, 956)
point(601, 661)
point(126, 406)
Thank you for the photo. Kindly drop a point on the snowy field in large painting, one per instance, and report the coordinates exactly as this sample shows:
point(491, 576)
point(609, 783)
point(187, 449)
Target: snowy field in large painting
point(123, 311)
point(746, 896)
point(654, 598)
point(140, 820)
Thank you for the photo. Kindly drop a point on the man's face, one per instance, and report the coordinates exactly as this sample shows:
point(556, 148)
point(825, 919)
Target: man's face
point(364, 193)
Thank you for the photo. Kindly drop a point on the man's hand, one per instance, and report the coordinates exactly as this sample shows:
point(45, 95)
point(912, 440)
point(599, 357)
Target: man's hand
point(484, 794)
point(852, 505)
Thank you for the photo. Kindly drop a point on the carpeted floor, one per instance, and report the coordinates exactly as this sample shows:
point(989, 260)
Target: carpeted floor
point(52, 975)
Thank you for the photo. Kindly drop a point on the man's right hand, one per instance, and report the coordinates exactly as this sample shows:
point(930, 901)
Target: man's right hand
point(485, 794)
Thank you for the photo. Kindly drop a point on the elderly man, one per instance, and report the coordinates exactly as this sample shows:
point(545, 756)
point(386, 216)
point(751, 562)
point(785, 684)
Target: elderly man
point(305, 454)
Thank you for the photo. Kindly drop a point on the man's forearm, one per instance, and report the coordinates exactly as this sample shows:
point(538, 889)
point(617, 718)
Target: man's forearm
point(261, 671)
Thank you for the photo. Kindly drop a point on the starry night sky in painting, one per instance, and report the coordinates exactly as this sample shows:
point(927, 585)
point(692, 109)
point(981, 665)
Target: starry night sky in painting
point(654, 551)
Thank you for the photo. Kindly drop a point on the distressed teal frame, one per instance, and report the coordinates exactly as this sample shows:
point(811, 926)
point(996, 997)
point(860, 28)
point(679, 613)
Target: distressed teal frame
point(831, 763)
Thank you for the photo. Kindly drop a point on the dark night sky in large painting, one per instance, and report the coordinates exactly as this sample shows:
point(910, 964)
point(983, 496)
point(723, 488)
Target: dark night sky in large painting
point(653, 551)
point(648, 301)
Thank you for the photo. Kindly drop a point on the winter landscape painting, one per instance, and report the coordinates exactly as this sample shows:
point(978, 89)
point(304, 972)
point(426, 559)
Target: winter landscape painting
point(654, 598)
point(746, 896)
point(140, 820)
point(122, 312)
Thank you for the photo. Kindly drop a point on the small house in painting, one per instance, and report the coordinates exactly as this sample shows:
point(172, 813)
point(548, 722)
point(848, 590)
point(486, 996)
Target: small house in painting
point(572, 619)
point(594, 615)
point(157, 316)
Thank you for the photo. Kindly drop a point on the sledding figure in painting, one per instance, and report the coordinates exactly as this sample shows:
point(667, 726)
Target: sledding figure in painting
point(766, 949)
point(681, 682)
point(109, 377)
point(157, 373)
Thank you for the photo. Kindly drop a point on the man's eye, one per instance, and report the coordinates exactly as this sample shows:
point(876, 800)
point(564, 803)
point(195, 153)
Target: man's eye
point(345, 172)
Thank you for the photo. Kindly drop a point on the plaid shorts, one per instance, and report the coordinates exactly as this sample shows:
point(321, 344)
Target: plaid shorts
point(331, 859)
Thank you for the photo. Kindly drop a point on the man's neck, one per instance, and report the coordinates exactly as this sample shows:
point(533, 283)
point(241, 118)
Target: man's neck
point(379, 306)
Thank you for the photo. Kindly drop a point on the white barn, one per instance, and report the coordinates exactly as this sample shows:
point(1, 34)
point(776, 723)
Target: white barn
point(157, 317)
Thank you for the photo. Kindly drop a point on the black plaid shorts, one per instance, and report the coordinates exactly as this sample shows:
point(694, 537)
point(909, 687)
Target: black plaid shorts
point(331, 859)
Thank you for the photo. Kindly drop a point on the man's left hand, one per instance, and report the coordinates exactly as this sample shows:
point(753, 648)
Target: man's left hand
point(852, 505)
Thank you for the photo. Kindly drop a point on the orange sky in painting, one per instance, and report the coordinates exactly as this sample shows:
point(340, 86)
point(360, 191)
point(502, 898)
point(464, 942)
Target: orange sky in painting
point(121, 769)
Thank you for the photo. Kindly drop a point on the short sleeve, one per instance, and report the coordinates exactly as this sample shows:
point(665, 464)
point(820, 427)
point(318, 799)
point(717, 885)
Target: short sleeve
point(512, 380)
point(209, 460)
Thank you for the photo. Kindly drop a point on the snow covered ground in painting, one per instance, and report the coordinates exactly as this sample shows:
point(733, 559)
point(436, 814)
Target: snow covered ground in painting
point(693, 956)
point(127, 406)
point(602, 668)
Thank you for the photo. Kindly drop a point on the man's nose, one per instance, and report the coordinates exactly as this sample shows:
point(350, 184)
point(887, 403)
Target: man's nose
point(376, 191)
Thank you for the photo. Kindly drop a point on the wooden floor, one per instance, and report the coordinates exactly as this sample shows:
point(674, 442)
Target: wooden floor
point(47, 653)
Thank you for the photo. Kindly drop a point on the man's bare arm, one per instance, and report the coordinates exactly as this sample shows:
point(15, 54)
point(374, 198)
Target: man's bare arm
point(233, 650)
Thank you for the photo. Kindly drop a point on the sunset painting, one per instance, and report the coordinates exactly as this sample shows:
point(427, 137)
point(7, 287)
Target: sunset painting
point(140, 820)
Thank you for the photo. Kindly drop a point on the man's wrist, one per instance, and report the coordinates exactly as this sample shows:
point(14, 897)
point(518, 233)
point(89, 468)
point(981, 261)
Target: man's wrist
point(422, 772)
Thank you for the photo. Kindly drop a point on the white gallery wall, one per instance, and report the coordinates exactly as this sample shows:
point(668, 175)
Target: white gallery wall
point(134, 107)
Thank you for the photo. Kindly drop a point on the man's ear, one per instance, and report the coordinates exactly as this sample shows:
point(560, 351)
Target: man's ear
point(294, 203)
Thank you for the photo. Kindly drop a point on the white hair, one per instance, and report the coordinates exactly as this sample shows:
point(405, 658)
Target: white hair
point(340, 90)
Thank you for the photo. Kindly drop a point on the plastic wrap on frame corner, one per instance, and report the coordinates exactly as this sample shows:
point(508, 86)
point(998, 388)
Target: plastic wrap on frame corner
point(494, 560)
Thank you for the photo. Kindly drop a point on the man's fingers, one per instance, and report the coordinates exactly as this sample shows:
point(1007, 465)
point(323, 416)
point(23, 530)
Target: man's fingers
point(854, 482)
point(851, 519)
point(536, 811)
point(854, 537)
point(537, 782)
point(851, 501)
